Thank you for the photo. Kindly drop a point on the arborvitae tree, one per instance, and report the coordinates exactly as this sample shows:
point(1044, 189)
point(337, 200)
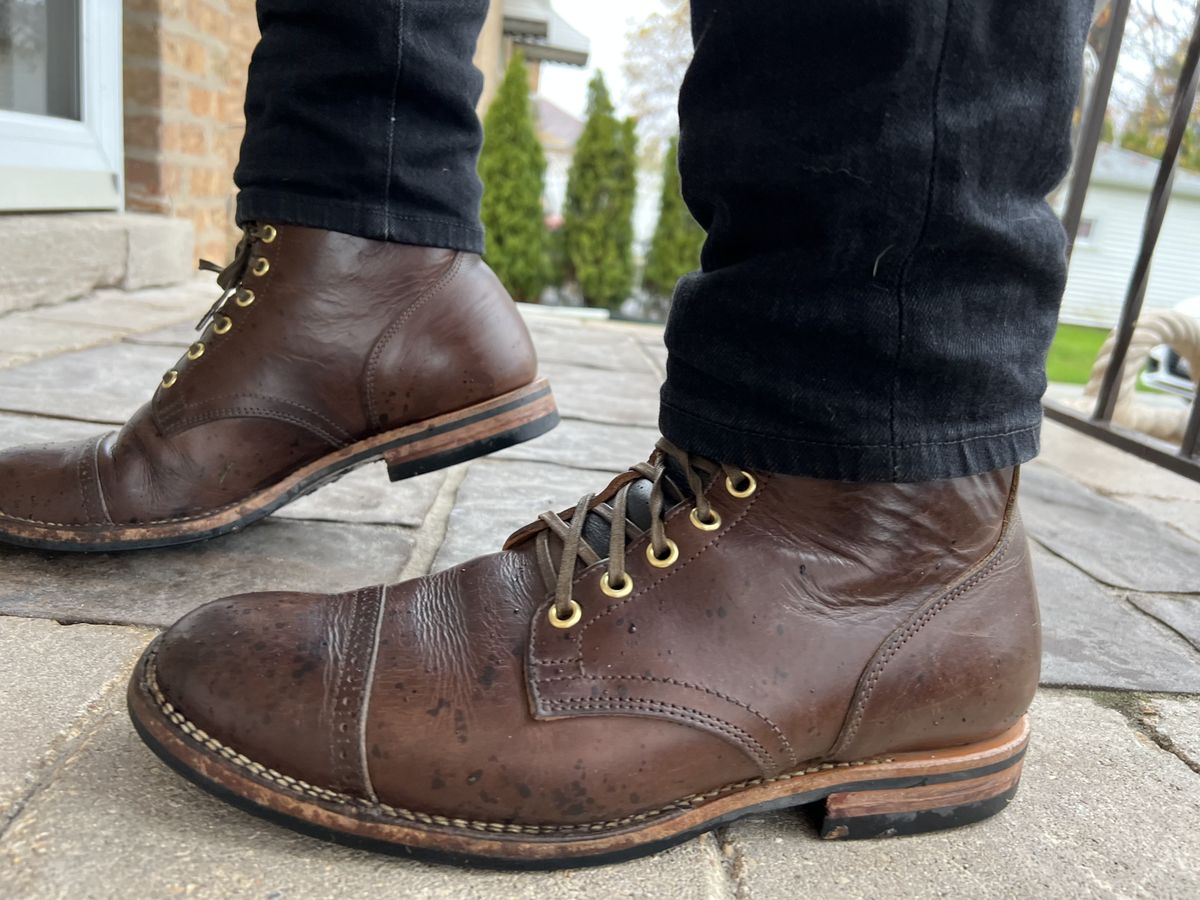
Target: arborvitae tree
point(598, 213)
point(512, 168)
point(675, 247)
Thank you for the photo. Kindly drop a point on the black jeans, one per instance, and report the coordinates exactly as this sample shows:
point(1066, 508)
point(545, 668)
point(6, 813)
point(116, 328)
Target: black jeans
point(882, 273)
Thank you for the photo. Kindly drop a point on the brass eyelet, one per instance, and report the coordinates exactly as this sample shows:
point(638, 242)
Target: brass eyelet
point(664, 561)
point(169, 379)
point(711, 525)
point(222, 324)
point(244, 297)
point(742, 493)
point(624, 590)
point(196, 350)
point(267, 234)
point(572, 619)
point(262, 265)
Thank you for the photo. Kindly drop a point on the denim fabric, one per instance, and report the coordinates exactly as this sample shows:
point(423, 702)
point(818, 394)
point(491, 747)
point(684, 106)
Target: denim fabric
point(882, 275)
point(360, 118)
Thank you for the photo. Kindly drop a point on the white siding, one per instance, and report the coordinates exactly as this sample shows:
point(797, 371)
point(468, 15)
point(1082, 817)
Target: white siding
point(1101, 267)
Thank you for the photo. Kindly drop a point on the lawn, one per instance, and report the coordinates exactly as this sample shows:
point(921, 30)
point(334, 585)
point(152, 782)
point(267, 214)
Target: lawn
point(1073, 352)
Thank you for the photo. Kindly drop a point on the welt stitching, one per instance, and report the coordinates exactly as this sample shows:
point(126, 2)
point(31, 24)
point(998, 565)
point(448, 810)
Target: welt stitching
point(446, 277)
point(348, 677)
point(298, 786)
point(282, 400)
point(345, 674)
point(910, 631)
point(696, 687)
point(236, 411)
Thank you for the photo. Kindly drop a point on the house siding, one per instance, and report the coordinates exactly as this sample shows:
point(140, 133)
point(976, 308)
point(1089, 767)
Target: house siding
point(1101, 267)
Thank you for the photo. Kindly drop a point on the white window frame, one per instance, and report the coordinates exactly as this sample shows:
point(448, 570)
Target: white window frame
point(48, 163)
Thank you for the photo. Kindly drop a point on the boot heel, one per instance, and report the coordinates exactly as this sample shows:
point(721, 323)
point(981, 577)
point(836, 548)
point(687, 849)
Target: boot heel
point(484, 428)
point(890, 811)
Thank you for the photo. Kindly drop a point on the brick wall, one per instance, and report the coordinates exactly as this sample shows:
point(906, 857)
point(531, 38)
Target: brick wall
point(185, 77)
point(185, 81)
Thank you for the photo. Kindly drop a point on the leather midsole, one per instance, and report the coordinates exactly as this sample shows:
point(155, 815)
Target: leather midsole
point(226, 770)
point(413, 441)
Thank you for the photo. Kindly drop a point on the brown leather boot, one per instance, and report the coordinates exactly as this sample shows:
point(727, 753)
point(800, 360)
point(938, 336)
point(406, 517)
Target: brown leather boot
point(324, 352)
point(692, 645)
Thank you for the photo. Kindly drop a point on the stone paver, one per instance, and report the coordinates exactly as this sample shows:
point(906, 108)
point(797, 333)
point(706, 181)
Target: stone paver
point(600, 395)
point(101, 318)
point(567, 344)
point(104, 384)
point(1181, 613)
point(52, 679)
point(1108, 470)
point(25, 429)
point(1110, 540)
point(1093, 638)
point(1178, 720)
point(180, 335)
point(587, 445)
point(365, 495)
point(29, 336)
point(1088, 821)
point(117, 823)
point(1111, 776)
point(497, 498)
point(157, 588)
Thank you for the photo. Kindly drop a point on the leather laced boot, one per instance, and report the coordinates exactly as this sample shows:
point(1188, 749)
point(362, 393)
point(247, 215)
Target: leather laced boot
point(693, 644)
point(323, 352)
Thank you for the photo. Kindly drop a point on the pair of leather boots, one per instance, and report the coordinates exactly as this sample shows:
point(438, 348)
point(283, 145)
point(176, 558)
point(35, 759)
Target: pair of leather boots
point(689, 645)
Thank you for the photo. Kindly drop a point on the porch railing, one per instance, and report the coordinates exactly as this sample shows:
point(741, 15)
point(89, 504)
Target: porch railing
point(1184, 459)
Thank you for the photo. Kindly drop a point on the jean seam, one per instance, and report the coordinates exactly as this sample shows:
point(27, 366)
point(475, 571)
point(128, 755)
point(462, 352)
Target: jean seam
point(906, 265)
point(786, 439)
point(329, 202)
point(391, 143)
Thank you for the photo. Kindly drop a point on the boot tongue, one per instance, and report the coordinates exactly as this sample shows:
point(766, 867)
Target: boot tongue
point(596, 529)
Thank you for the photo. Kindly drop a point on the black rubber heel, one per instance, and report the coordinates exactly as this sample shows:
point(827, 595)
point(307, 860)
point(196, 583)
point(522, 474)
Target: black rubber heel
point(914, 810)
point(482, 447)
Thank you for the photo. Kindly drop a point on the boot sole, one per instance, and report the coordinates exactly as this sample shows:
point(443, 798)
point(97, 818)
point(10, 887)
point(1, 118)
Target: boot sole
point(904, 793)
point(452, 438)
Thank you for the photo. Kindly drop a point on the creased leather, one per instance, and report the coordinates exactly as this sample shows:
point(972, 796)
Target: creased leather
point(742, 660)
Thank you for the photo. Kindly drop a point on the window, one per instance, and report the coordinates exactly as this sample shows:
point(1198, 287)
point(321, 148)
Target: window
point(60, 104)
point(1087, 228)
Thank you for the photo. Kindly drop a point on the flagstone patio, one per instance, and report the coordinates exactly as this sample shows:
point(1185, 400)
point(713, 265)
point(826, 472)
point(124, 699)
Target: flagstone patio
point(1108, 806)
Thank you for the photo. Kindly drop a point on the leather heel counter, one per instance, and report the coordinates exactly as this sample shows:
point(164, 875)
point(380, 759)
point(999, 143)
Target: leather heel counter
point(963, 668)
point(464, 343)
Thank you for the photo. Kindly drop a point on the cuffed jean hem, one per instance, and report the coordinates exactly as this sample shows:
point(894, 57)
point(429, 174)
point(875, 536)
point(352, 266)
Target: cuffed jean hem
point(256, 205)
point(848, 462)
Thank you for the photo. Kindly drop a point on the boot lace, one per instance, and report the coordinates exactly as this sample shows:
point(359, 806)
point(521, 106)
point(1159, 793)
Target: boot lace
point(673, 474)
point(246, 261)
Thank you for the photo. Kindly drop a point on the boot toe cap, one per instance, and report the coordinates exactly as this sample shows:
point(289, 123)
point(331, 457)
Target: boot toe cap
point(253, 673)
point(52, 484)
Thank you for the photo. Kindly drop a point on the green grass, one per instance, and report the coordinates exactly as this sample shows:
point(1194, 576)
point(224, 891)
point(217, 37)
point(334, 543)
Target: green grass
point(1073, 352)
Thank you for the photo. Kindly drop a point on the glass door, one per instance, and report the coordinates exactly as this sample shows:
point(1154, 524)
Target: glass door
point(60, 104)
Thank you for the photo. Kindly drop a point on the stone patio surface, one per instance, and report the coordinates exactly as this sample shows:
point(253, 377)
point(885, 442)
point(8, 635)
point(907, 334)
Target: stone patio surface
point(1109, 805)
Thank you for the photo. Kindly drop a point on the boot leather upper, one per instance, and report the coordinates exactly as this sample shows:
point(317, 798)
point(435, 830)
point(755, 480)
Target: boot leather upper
point(343, 338)
point(822, 622)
